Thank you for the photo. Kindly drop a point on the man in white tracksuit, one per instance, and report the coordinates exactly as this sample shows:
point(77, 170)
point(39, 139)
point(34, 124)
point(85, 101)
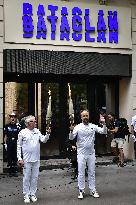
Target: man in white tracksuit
point(28, 154)
point(133, 130)
point(85, 134)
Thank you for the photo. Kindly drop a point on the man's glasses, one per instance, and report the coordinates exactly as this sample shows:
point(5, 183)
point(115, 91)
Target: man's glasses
point(32, 121)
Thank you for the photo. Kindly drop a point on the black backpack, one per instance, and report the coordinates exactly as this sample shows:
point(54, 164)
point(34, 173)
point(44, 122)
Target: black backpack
point(123, 127)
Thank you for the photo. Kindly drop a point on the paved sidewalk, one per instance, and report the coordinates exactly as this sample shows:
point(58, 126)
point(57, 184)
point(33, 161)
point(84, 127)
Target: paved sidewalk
point(116, 185)
point(63, 163)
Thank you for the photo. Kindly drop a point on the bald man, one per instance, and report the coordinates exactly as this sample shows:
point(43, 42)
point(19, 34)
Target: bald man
point(85, 134)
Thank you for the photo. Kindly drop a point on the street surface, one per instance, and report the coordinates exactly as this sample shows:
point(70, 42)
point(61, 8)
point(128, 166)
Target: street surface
point(116, 186)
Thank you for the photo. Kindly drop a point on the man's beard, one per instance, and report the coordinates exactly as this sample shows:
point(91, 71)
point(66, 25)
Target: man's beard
point(86, 121)
point(12, 121)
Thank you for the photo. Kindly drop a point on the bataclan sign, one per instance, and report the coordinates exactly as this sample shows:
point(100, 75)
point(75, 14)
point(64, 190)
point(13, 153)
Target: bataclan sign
point(67, 29)
point(69, 24)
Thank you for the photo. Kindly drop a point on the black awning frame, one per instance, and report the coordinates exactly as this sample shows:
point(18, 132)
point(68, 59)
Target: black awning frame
point(20, 61)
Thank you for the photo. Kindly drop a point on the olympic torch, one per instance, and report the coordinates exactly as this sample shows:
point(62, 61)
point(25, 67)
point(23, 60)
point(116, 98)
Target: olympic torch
point(49, 112)
point(71, 109)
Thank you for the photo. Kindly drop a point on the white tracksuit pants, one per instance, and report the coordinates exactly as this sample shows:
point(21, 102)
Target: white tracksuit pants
point(30, 178)
point(90, 161)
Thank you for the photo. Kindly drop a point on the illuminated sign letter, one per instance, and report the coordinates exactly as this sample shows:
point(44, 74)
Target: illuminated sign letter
point(27, 20)
point(113, 36)
point(113, 26)
point(41, 26)
point(53, 20)
point(101, 27)
point(76, 24)
point(64, 27)
point(88, 28)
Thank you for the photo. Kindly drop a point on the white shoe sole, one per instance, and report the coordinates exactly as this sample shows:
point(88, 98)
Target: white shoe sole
point(33, 200)
point(95, 196)
point(80, 197)
point(26, 202)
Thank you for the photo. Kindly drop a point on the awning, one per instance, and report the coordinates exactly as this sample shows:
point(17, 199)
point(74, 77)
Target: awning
point(65, 62)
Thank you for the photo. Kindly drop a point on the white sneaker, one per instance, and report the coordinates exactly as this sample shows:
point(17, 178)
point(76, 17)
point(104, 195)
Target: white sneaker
point(80, 196)
point(26, 199)
point(33, 198)
point(94, 194)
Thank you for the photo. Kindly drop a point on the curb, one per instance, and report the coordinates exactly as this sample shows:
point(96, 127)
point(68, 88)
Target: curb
point(60, 166)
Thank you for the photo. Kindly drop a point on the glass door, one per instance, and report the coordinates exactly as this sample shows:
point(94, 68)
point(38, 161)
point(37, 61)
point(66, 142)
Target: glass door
point(58, 103)
point(76, 100)
point(48, 115)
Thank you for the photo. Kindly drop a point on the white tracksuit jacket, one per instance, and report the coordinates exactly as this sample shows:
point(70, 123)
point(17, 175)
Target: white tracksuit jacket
point(133, 122)
point(28, 149)
point(28, 144)
point(85, 151)
point(85, 137)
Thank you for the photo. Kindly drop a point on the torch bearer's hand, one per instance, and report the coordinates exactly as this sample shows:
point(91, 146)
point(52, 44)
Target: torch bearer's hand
point(71, 127)
point(21, 163)
point(102, 119)
point(73, 148)
point(48, 130)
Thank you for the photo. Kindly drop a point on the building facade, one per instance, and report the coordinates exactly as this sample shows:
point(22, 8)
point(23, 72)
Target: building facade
point(46, 46)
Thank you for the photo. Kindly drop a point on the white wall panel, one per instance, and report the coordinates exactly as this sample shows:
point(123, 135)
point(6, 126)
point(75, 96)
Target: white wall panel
point(1, 166)
point(133, 11)
point(1, 90)
point(133, 24)
point(1, 60)
point(1, 149)
point(134, 105)
point(134, 58)
point(134, 91)
point(1, 75)
point(134, 38)
point(1, 104)
point(134, 76)
point(1, 2)
point(1, 13)
point(1, 120)
point(1, 28)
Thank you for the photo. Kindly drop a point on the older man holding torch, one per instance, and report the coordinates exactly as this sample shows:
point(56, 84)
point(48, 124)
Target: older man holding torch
point(28, 154)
